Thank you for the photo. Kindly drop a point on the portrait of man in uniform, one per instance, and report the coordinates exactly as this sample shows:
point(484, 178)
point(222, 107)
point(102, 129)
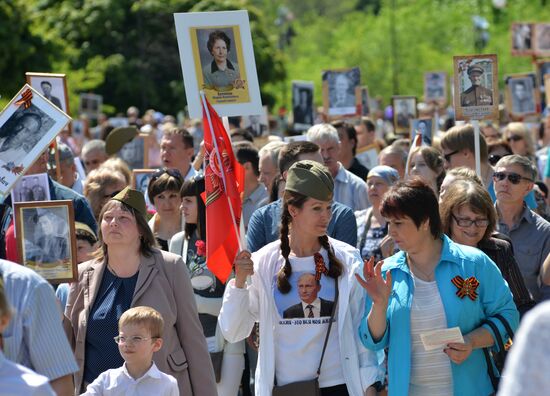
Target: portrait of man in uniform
point(404, 110)
point(434, 87)
point(339, 91)
point(521, 38)
point(522, 95)
point(476, 94)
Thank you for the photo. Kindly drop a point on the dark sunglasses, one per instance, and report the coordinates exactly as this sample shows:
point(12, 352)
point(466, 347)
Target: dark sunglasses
point(514, 138)
point(514, 178)
point(449, 155)
point(494, 158)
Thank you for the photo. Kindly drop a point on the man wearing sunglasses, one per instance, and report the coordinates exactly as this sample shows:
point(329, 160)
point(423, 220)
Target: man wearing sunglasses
point(530, 234)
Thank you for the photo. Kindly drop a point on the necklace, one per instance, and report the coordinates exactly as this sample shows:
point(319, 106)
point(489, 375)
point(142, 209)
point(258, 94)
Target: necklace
point(428, 277)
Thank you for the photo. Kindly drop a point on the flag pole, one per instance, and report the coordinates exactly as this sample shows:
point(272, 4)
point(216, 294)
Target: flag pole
point(237, 233)
point(477, 153)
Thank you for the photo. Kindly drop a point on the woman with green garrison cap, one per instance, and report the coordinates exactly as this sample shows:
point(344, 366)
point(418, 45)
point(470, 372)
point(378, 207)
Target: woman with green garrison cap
point(296, 284)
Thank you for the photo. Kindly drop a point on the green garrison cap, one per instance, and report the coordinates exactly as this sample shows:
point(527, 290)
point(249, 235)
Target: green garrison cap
point(132, 198)
point(119, 137)
point(311, 179)
point(475, 68)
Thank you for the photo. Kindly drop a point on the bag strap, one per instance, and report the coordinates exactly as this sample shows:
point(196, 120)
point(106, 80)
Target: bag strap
point(329, 327)
point(490, 368)
point(506, 325)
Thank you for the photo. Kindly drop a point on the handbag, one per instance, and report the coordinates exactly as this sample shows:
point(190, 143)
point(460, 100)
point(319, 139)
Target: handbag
point(308, 387)
point(217, 359)
point(497, 358)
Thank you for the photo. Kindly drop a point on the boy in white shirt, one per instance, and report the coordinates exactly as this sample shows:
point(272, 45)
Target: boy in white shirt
point(15, 378)
point(140, 335)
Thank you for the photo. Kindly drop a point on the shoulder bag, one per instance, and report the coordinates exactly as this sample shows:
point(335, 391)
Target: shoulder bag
point(496, 358)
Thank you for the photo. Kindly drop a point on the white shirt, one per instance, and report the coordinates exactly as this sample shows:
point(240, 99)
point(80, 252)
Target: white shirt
point(16, 380)
point(118, 382)
point(350, 190)
point(315, 308)
point(190, 173)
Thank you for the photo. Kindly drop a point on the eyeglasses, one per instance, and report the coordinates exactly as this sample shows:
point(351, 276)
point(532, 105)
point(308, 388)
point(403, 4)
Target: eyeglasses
point(468, 223)
point(513, 177)
point(131, 340)
point(514, 138)
point(449, 155)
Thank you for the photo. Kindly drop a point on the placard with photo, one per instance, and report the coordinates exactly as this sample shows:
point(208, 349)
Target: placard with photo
point(404, 111)
point(424, 127)
point(435, 88)
point(543, 70)
point(217, 57)
point(141, 179)
point(52, 86)
point(340, 97)
point(31, 188)
point(365, 107)
point(27, 126)
point(136, 152)
point(46, 239)
point(541, 38)
point(257, 124)
point(521, 34)
point(90, 105)
point(522, 95)
point(302, 105)
point(476, 87)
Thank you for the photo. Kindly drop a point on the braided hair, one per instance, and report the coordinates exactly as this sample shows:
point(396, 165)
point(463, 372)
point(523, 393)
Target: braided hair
point(335, 266)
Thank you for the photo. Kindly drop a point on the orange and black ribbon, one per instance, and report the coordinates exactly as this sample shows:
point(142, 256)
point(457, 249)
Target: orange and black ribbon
point(26, 98)
point(466, 287)
point(320, 267)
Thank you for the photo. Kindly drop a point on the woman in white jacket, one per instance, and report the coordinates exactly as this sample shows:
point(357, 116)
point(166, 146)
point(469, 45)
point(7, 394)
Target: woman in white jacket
point(291, 294)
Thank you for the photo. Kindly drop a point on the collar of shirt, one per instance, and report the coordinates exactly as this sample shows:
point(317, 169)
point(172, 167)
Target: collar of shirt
point(153, 372)
point(526, 215)
point(316, 304)
point(214, 66)
point(257, 195)
point(342, 175)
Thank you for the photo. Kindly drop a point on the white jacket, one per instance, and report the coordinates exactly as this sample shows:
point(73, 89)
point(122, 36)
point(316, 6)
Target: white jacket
point(242, 307)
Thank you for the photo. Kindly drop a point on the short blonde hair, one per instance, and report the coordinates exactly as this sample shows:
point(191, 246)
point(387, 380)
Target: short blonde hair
point(519, 129)
point(144, 316)
point(96, 183)
point(119, 165)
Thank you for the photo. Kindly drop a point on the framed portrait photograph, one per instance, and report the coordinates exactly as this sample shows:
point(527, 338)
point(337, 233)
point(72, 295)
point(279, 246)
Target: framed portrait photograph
point(364, 95)
point(521, 38)
point(543, 70)
point(52, 86)
point(217, 57)
point(136, 152)
point(302, 105)
point(340, 92)
point(27, 126)
point(476, 87)
point(90, 105)
point(435, 88)
point(522, 95)
point(257, 124)
point(141, 179)
point(46, 239)
point(424, 127)
point(404, 111)
point(31, 188)
point(541, 38)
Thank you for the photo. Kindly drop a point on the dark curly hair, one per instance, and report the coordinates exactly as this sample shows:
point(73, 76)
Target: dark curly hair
point(218, 35)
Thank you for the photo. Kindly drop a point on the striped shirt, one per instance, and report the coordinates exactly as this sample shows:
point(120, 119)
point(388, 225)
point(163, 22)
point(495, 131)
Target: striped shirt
point(35, 337)
point(430, 370)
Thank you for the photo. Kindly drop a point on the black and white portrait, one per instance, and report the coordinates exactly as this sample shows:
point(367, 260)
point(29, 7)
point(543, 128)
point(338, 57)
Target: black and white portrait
point(341, 91)
point(133, 153)
point(542, 39)
point(365, 108)
point(257, 125)
point(21, 133)
point(31, 188)
point(302, 105)
point(52, 86)
point(142, 177)
point(522, 94)
point(522, 38)
point(404, 110)
point(422, 126)
point(435, 86)
point(90, 105)
point(46, 236)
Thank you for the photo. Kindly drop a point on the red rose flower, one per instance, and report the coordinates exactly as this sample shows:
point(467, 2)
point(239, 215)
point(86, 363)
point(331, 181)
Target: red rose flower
point(201, 248)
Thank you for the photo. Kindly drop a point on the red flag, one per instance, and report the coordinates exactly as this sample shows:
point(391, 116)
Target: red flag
point(224, 184)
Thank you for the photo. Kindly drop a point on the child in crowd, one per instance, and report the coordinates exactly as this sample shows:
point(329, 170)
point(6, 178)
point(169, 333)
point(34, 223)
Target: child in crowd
point(140, 335)
point(14, 378)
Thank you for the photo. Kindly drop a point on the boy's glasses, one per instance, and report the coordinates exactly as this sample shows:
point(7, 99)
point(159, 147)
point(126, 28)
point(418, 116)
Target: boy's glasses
point(513, 177)
point(132, 340)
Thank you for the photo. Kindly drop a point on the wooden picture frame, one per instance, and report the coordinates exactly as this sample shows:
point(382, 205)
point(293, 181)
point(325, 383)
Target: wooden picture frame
point(302, 105)
point(542, 68)
point(479, 102)
point(404, 110)
point(47, 239)
point(521, 38)
point(90, 105)
point(27, 126)
point(541, 39)
point(522, 95)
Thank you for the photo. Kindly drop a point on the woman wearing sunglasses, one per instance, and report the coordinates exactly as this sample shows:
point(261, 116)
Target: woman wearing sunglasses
point(164, 194)
point(498, 149)
point(520, 140)
point(469, 218)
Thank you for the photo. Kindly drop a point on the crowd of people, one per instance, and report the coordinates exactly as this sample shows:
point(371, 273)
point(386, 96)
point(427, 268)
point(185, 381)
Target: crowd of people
point(359, 244)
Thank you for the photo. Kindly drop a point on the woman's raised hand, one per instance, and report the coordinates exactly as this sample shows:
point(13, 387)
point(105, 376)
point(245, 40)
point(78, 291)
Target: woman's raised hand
point(378, 288)
point(244, 266)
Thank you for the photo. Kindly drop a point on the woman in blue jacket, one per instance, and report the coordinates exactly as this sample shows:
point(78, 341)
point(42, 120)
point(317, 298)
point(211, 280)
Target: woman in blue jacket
point(431, 284)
